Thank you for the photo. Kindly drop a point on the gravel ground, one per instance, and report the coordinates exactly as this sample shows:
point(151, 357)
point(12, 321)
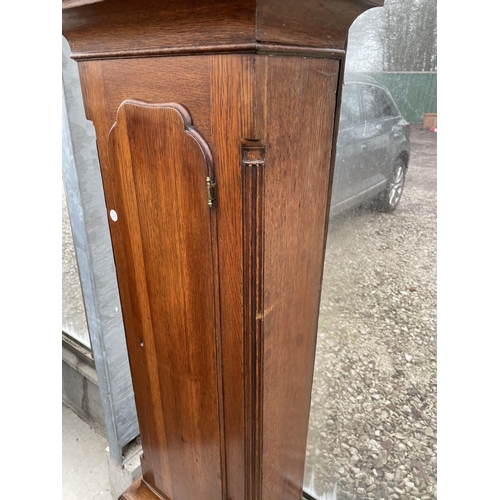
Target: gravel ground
point(372, 430)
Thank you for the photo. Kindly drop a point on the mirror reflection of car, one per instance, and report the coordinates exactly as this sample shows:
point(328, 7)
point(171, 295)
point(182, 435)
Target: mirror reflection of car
point(373, 147)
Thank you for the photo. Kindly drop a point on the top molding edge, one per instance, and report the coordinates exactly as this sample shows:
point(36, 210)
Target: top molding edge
point(97, 29)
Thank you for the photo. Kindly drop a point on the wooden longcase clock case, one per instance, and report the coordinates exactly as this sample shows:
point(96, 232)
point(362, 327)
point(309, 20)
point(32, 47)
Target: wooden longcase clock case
point(216, 126)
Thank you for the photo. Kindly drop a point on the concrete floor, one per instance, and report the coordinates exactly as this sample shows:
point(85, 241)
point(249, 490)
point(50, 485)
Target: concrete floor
point(84, 460)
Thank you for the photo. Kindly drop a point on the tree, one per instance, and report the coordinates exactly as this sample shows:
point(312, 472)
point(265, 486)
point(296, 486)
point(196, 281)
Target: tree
point(408, 35)
point(401, 36)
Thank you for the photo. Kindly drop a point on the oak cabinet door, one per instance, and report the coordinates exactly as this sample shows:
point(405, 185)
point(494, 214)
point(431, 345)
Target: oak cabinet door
point(167, 237)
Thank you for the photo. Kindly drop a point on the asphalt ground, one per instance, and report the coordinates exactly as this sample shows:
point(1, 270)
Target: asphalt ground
point(372, 431)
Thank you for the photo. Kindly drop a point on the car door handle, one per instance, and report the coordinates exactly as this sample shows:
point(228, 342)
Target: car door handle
point(364, 146)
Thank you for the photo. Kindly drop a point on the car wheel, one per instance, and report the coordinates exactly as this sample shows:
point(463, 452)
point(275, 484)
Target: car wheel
point(394, 189)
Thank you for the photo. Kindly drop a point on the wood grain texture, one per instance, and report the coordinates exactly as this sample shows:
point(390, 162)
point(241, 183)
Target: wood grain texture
point(125, 79)
point(126, 28)
point(149, 27)
point(144, 375)
point(139, 490)
point(163, 164)
point(295, 121)
point(253, 164)
point(220, 304)
point(314, 23)
point(246, 100)
point(231, 100)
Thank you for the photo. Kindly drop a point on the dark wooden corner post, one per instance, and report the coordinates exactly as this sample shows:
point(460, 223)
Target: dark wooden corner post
point(216, 124)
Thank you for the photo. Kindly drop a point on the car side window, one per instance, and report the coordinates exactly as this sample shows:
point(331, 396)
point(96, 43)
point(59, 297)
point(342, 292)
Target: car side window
point(350, 111)
point(385, 102)
point(376, 103)
point(372, 110)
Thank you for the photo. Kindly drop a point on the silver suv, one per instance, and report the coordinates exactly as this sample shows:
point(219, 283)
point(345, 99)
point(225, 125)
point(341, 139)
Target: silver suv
point(373, 147)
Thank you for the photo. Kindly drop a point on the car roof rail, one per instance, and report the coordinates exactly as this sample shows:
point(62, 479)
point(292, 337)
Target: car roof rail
point(359, 77)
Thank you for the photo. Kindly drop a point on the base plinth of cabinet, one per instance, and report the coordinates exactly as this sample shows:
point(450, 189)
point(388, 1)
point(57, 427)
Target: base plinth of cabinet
point(139, 490)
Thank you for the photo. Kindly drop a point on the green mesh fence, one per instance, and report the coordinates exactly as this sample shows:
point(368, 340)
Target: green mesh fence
point(414, 93)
